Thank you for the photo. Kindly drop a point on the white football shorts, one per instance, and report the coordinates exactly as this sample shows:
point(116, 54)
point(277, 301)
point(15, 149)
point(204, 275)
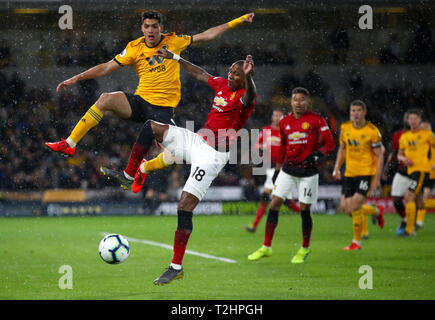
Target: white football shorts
point(400, 185)
point(268, 184)
point(307, 187)
point(206, 162)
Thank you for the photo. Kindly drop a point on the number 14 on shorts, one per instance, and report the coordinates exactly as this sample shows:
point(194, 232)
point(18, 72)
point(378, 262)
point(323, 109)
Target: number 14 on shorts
point(307, 192)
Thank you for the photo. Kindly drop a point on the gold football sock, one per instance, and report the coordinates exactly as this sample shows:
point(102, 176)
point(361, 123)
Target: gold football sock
point(357, 224)
point(410, 209)
point(420, 216)
point(155, 164)
point(368, 209)
point(91, 118)
point(364, 227)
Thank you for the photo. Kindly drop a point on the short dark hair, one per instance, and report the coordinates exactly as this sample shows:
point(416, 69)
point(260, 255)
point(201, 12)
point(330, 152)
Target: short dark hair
point(152, 15)
point(416, 111)
point(359, 103)
point(239, 63)
point(278, 109)
point(301, 90)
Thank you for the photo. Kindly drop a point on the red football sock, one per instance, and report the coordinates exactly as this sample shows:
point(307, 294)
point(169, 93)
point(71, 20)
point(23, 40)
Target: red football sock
point(180, 243)
point(260, 212)
point(291, 204)
point(268, 236)
point(306, 236)
point(136, 155)
point(307, 226)
point(400, 208)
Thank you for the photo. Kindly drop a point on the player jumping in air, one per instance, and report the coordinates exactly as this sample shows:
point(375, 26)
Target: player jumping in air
point(269, 141)
point(361, 147)
point(302, 132)
point(207, 151)
point(159, 89)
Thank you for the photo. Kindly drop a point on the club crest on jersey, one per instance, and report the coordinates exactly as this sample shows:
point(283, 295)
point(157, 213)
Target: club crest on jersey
point(353, 142)
point(152, 61)
point(219, 101)
point(305, 125)
point(232, 96)
point(412, 143)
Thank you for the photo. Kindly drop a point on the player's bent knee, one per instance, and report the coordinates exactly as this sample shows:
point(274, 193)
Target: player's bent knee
point(114, 102)
point(409, 197)
point(187, 202)
point(103, 101)
point(158, 130)
point(276, 203)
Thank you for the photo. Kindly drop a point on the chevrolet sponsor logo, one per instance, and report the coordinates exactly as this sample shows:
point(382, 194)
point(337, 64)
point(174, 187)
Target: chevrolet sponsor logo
point(297, 135)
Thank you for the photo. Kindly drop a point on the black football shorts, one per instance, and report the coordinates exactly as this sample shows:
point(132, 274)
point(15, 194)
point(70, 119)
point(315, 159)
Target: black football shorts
point(359, 184)
point(143, 111)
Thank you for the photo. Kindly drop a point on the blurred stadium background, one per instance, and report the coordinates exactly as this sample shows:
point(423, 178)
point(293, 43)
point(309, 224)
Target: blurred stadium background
point(310, 43)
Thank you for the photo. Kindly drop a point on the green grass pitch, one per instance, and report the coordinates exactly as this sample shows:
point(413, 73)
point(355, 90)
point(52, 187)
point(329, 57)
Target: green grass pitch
point(33, 250)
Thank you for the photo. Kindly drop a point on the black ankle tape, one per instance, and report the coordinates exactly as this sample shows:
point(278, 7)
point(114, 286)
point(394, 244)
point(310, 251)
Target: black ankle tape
point(185, 220)
point(307, 221)
point(272, 217)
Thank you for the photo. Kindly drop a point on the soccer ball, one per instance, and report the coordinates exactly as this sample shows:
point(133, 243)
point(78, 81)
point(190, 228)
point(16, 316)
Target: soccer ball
point(114, 248)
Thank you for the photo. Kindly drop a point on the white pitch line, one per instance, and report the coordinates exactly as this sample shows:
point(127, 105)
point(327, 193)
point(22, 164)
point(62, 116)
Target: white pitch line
point(166, 246)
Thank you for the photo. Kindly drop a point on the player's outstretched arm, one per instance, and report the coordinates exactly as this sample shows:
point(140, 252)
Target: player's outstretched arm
point(250, 88)
point(92, 73)
point(195, 71)
point(215, 32)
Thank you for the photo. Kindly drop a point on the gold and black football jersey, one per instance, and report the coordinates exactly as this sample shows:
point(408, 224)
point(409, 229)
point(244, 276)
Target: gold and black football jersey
point(416, 146)
point(159, 78)
point(360, 158)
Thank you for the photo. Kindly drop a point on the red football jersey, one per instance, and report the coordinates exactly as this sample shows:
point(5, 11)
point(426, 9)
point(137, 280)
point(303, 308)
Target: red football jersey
point(227, 112)
point(301, 137)
point(271, 142)
point(396, 141)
